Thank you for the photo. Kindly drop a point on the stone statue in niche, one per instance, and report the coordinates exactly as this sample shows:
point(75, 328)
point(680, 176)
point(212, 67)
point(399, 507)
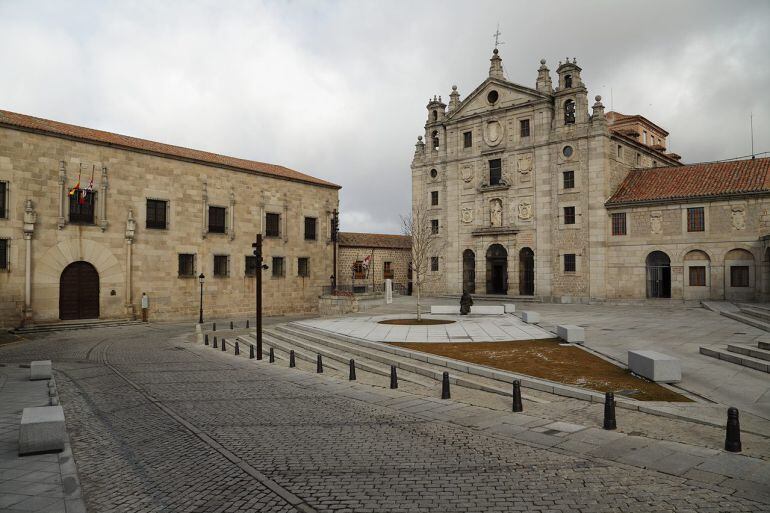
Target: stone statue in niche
point(656, 222)
point(525, 210)
point(739, 218)
point(496, 213)
point(130, 225)
point(466, 215)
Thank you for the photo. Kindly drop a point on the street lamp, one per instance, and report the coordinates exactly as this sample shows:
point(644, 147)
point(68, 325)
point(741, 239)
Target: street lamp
point(201, 279)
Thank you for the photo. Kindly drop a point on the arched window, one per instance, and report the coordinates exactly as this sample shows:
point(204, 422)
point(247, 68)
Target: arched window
point(567, 81)
point(569, 112)
point(434, 138)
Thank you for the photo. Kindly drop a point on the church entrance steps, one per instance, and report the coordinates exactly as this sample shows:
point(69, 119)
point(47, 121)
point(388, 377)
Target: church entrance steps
point(746, 356)
point(74, 325)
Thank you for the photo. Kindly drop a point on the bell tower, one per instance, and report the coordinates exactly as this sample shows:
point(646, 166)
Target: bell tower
point(571, 95)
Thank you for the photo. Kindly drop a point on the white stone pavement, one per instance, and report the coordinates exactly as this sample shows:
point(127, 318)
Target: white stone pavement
point(481, 328)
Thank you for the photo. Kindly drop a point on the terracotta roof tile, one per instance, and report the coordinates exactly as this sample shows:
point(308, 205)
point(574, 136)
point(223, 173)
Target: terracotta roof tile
point(56, 128)
point(694, 181)
point(374, 240)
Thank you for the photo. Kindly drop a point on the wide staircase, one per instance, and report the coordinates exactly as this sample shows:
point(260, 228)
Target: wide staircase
point(752, 314)
point(755, 357)
point(73, 325)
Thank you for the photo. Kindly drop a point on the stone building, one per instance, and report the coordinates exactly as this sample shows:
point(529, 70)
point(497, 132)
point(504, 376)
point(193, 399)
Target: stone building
point(150, 217)
point(522, 184)
point(366, 260)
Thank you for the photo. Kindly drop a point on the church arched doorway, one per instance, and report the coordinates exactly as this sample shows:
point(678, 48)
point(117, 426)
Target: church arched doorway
point(497, 270)
point(469, 271)
point(526, 272)
point(79, 292)
point(658, 275)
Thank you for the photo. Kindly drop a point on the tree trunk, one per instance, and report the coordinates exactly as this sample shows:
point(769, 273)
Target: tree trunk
point(418, 301)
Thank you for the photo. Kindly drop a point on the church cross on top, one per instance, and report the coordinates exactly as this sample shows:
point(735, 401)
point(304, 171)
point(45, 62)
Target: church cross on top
point(497, 35)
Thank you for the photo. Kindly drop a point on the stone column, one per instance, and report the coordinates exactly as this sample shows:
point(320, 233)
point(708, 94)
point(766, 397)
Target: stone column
point(30, 218)
point(130, 231)
point(103, 201)
point(62, 193)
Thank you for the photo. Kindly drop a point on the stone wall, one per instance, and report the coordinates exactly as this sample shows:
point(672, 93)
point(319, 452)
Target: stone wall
point(399, 258)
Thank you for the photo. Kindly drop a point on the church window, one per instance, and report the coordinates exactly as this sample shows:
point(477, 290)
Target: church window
point(567, 81)
point(568, 179)
point(221, 267)
point(434, 226)
point(4, 254)
point(467, 139)
point(303, 267)
point(82, 203)
point(434, 264)
point(570, 263)
point(433, 173)
point(217, 217)
point(569, 215)
point(495, 171)
point(697, 275)
point(156, 214)
point(278, 270)
point(186, 264)
point(569, 112)
point(696, 219)
point(524, 128)
point(619, 223)
point(4, 200)
point(434, 139)
point(434, 198)
point(272, 225)
point(492, 97)
point(567, 151)
point(310, 228)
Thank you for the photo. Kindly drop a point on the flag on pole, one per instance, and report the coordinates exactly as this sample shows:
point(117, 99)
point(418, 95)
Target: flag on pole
point(77, 185)
point(90, 188)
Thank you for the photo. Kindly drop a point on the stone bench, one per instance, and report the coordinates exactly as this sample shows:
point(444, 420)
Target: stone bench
point(509, 308)
point(475, 310)
point(42, 430)
point(571, 333)
point(40, 369)
point(655, 366)
point(445, 309)
point(530, 317)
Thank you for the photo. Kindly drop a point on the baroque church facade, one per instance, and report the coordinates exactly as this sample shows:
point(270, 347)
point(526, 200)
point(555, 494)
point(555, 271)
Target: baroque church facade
point(534, 192)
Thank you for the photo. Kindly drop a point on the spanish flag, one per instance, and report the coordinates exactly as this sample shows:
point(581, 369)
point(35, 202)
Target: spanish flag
point(77, 185)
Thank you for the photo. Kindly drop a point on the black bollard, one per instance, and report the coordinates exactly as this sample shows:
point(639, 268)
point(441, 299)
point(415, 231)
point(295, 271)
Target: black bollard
point(319, 365)
point(271, 355)
point(251, 352)
point(445, 386)
point(206, 339)
point(393, 377)
point(352, 376)
point(237, 349)
point(224, 345)
point(609, 411)
point(231, 324)
point(213, 326)
point(247, 323)
point(292, 362)
point(733, 436)
point(214, 345)
point(517, 406)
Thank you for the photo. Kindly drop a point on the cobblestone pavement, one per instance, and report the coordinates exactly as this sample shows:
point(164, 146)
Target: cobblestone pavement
point(158, 424)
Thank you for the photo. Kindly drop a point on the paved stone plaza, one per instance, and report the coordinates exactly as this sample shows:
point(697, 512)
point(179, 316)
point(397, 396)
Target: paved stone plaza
point(159, 422)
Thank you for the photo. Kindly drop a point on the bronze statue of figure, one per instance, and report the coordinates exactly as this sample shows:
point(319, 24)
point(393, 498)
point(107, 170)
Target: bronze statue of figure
point(465, 303)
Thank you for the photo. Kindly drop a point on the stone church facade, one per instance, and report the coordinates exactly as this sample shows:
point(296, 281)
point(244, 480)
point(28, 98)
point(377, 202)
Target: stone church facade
point(535, 193)
point(156, 217)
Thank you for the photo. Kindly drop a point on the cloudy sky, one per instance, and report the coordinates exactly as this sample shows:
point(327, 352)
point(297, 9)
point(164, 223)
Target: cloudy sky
point(338, 89)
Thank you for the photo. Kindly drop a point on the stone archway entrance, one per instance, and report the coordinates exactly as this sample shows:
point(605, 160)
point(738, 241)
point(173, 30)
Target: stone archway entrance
point(658, 275)
point(79, 292)
point(469, 271)
point(497, 270)
point(526, 272)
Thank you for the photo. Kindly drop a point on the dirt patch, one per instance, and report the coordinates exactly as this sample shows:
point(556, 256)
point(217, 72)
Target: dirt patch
point(548, 359)
point(415, 322)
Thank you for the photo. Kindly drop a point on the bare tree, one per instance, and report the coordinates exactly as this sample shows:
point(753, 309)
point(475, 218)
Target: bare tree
point(425, 245)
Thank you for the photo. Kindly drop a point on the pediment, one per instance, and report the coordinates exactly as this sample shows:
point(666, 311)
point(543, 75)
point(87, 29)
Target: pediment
point(509, 95)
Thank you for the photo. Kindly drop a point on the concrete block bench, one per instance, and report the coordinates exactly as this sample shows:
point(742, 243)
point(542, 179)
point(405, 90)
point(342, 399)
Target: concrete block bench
point(571, 333)
point(42, 430)
point(509, 308)
point(655, 366)
point(487, 309)
point(40, 369)
point(445, 309)
point(530, 317)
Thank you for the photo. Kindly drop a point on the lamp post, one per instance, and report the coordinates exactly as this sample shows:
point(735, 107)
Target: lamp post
point(260, 267)
point(335, 237)
point(201, 279)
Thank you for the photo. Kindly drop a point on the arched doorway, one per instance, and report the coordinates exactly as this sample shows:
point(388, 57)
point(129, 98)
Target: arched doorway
point(79, 292)
point(469, 271)
point(497, 270)
point(526, 272)
point(658, 275)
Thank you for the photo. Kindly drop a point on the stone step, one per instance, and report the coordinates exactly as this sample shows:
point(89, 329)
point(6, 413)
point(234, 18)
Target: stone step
point(763, 345)
point(77, 325)
point(758, 313)
point(747, 319)
point(743, 360)
point(754, 352)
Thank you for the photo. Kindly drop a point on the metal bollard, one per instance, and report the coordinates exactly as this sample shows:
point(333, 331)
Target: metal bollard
point(224, 345)
point(271, 355)
point(251, 352)
point(352, 376)
point(445, 386)
point(609, 411)
point(206, 339)
point(393, 378)
point(733, 435)
point(213, 326)
point(231, 324)
point(247, 323)
point(214, 345)
point(517, 406)
point(292, 361)
point(237, 349)
point(319, 365)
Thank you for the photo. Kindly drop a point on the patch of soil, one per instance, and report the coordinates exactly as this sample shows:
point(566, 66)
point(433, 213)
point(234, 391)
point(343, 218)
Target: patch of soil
point(415, 322)
point(548, 359)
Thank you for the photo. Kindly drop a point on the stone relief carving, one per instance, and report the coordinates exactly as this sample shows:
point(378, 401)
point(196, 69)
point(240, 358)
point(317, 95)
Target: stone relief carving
point(466, 215)
point(525, 210)
point(656, 222)
point(493, 133)
point(467, 173)
point(130, 226)
point(524, 163)
point(739, 218)
point(496, 212)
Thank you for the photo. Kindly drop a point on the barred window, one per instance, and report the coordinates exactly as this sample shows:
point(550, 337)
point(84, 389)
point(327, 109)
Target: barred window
point(251, 266)
point(697, 276)
point(495, 171)
point(186, 264)
point(569, 263)
point(524, 128)
point(739, 276)
point(568, 179)
point(82, 203)
point(619, 223)
point(217, 219)
point(303, 267)
point(221, 265)
point(156, 214)
point(467, 139)
point(434, 264)
point(569, 215)
point(4, 254)
point(695, 219)
point(278, 270)
point(387, 270)
point(272, 225)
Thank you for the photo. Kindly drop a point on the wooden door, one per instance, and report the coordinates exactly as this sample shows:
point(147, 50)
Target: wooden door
point(79, 292)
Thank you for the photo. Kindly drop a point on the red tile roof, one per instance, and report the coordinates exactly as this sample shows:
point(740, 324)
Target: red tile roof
point(661, 184)
point(374, 240)
point(56, 128)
